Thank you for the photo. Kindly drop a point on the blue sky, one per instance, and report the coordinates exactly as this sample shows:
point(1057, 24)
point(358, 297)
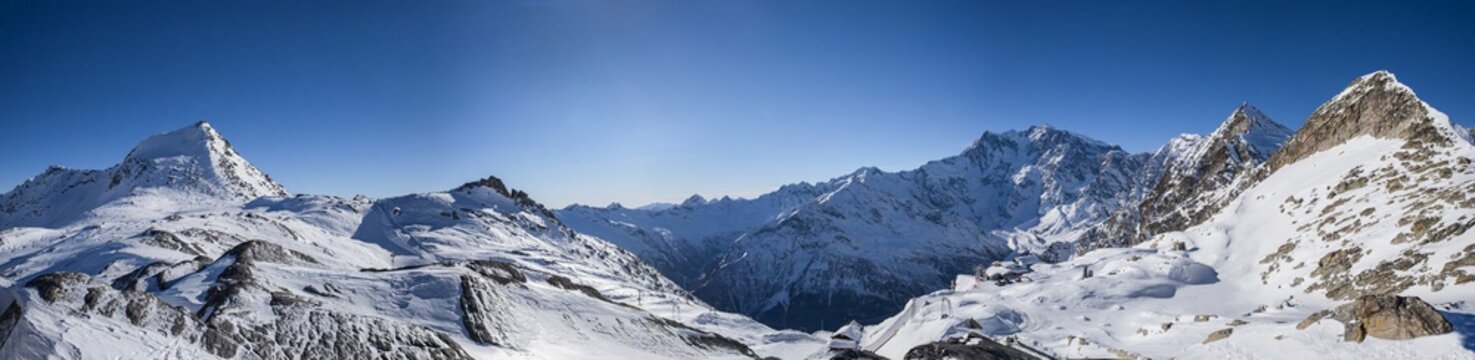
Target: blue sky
point(640, 101)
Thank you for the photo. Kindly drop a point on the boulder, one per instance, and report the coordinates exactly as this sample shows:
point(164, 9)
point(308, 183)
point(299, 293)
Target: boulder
point(1218, 335)
point(1390, 317)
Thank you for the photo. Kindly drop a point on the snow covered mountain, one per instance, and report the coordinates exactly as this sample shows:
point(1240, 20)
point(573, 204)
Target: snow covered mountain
point(810, 256)
point(1239, 243)
point(1190, 178)
point(1369, 198)
point(187, 251)
point(184, 167)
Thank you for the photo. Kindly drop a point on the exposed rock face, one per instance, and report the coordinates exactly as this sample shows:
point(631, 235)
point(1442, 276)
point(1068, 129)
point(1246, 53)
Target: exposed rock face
point(1375, 104)
point(494, 183)
point(256, 250)
point(1390, 317)
point(978, 348)
point(1191, 178)
point(167, 240)
point(296, 331)
point(80, 296)
point(851, 354)
point(485, 312)
point(81, 293)
point(501, 272)
point(246, 318)
point(303, 331)
point(158, 275)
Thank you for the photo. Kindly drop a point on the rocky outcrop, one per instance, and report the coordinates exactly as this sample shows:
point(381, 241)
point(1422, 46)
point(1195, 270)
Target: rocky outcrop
point(167, 240)
point(502, 272)
point(566, 284)
point(81, 296)
point(299, 330)
point(262, 251)
point(1375, 104)
point(85, 295)
point(158, 275)
point(1191, 178)
point(1221, 334)
point(295, 328)
point(1390, 317)
point(520, 197)
point(976, 348)
point(486, 315)
point(853, 354)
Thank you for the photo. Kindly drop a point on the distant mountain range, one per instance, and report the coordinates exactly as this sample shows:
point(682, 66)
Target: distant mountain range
point(810, 256)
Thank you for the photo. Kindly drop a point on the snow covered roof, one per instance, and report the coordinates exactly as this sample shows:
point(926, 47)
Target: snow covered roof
point(851, 331)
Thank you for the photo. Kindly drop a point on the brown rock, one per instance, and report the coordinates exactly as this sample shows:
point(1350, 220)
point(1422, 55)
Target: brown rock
point(1390, 317)
point(1218, 335)
point(1312, 319)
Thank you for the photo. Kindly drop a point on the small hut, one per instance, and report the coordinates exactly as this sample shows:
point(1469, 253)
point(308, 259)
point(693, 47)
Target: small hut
point(847, 338)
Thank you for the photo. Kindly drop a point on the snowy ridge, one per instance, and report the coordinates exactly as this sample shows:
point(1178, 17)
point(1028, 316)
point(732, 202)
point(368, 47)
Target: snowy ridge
point(480, 271)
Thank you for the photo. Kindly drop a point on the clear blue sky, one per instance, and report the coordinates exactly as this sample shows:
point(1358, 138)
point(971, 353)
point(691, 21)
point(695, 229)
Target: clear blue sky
point(640, 101)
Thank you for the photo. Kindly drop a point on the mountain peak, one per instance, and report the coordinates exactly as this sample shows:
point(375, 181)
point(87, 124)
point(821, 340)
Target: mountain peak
point(1038, 137)
point(1262, 134)
point(1380, 76)
point(1374, 105)
point(190, 165)
point(201, 147)
point(694, 200)
point(1377, 81)
point(1040, 130)
point(193, 140)
point(1250, 111)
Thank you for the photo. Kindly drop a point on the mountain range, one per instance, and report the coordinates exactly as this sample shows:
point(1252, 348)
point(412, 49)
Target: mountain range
point(806, 256)
point(186, 250)
point(1245, 242)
